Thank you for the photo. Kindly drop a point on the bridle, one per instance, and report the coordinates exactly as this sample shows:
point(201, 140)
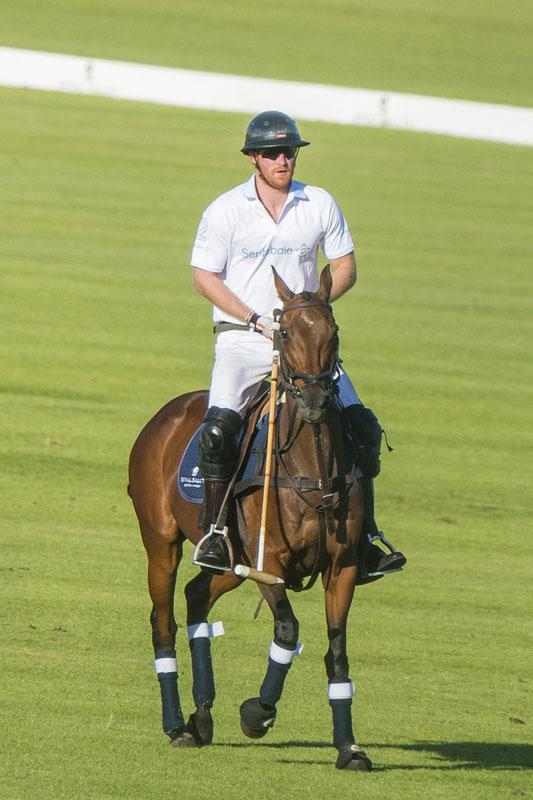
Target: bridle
point(326, 380)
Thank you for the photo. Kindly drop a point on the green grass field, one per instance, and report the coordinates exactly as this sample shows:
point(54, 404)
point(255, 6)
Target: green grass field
point(98, 210)
point(469, 49)
point(99, 201)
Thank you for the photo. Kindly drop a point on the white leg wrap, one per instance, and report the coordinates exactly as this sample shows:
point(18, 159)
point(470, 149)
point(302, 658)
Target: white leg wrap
point(282, 656)
point(165, 665)
point(341, 691)
point(205, 630)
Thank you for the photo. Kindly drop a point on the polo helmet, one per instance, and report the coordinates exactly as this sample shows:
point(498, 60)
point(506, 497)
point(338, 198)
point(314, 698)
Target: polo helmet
point(272, 129)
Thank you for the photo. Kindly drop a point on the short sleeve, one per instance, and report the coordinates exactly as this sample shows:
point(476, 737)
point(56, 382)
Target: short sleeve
point(210, 248)
point(337, 241)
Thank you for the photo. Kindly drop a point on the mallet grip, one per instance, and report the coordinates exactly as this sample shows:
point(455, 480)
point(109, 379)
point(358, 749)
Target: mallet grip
point(243, 571)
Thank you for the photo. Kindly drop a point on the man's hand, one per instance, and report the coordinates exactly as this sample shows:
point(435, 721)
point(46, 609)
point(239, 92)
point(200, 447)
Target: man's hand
point(263, 325)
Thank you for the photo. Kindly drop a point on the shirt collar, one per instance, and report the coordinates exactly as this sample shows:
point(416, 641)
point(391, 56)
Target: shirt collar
point(297, 190)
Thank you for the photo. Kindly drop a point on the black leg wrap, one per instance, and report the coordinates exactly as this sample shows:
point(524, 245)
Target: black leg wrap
point(272, 686)
point(173, 722)
point(342, 722)
point(203, 684)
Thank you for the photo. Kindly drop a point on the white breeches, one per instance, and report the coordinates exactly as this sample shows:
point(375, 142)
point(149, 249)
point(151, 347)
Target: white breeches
point(242, 360)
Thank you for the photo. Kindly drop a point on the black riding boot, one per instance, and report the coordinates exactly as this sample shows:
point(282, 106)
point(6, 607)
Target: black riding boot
point(377, 561)
point(215, 554)
point(366, 434)
point(218, 455)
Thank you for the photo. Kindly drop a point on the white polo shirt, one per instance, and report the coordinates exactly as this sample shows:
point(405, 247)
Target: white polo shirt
point(238, 238)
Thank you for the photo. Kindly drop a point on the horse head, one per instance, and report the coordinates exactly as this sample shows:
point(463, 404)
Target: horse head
point(309, 345)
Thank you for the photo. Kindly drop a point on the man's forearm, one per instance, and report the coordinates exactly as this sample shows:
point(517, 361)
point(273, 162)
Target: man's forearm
point(210, 286)
point(344, 274)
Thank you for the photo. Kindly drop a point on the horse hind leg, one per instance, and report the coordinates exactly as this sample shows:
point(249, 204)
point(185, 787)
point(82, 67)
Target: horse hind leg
point(164, 549)
point(201, 593)
point(258, 714)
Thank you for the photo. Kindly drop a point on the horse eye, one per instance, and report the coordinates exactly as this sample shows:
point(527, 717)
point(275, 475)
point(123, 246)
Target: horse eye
point(284, 333)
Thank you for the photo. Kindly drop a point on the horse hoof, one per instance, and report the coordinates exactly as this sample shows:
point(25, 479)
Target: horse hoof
point(185, 739)
point(352, 758)
point(256, 720)
point(200, 726)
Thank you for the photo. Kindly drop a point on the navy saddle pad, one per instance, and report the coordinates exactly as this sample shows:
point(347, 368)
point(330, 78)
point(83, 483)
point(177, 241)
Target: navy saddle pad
point(190, 481)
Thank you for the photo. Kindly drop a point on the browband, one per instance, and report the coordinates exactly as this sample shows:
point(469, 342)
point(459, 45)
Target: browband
point(307, 304)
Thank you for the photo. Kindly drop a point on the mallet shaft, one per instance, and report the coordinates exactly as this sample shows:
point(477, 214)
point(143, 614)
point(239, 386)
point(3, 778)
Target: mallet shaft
point(268, 462)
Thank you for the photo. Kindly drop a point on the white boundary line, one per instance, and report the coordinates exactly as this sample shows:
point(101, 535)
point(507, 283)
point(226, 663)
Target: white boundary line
point(309, 101)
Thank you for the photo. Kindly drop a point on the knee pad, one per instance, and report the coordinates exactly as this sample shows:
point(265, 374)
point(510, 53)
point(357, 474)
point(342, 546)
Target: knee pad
point(367, 433)
point(218, 443)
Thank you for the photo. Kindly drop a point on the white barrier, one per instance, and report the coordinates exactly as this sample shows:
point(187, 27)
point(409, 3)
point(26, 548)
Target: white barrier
point(309, 101)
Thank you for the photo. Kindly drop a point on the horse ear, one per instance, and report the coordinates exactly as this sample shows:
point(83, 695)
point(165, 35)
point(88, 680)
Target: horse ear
point(326, 282)
point(282, 289)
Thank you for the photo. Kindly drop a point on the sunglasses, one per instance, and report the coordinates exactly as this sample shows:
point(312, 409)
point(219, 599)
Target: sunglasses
point(274, 152)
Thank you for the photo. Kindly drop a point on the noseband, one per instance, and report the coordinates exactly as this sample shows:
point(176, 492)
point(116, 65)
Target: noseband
point(325, 380)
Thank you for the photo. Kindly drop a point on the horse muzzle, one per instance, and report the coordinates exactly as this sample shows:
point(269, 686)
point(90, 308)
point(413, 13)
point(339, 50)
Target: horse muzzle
point(313, 403)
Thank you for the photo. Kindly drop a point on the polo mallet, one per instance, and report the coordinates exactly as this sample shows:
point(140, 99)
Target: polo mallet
point(241, 570)
point(270, 443)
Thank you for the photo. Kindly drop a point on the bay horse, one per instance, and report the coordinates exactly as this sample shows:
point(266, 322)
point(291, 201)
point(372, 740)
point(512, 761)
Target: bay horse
point(314, 524)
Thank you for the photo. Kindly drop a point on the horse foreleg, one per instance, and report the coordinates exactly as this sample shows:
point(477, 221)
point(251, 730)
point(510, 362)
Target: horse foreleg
point(201, 594)
point(258, 714)
point(164, 555)
point(339, 593)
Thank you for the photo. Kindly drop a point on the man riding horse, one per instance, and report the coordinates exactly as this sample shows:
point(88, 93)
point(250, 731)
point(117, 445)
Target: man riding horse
point(271, 219)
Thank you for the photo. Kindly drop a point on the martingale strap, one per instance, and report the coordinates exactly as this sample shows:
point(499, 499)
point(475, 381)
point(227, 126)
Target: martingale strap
point(327, 483)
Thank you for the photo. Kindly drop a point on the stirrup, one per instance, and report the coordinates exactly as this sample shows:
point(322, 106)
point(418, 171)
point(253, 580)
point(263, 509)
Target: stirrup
point(197, 554)
point(379, 537)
